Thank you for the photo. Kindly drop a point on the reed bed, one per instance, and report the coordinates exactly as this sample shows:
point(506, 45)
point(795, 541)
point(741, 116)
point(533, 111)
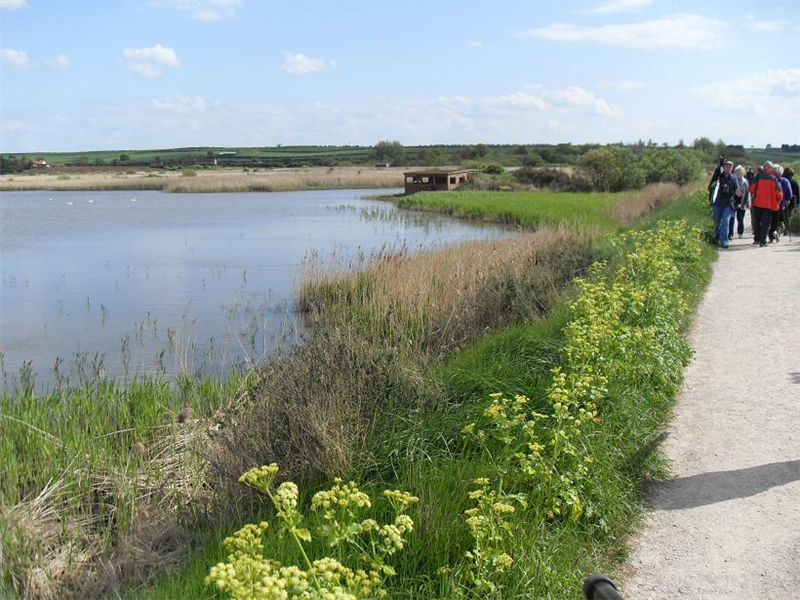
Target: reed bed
point(98, 482)
point(216, 180)
point(372, 336)
point(635, 204)
point(435, 301)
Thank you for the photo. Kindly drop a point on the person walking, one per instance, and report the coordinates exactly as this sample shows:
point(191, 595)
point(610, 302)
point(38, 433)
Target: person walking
point(792, 204)
point(750, 176)
point(723, 201)
point(779, 222)
point(741, 203)
point(766, 195)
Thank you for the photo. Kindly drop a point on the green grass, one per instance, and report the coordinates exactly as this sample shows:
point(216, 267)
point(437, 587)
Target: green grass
point(77, 443)
point(528, 209)
point(424, 453)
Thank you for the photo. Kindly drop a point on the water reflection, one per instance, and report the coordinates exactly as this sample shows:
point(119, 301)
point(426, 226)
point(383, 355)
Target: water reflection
point(97, 285)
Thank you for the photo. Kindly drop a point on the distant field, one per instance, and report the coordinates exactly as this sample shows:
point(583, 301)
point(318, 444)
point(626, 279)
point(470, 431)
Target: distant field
point(207, 180)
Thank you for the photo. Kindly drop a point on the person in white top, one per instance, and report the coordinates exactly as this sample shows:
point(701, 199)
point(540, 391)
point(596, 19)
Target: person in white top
point(741, 202)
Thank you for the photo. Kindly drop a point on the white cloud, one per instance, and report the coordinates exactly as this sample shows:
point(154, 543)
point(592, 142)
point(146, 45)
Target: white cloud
point(60, 61)
point(13, 4)
point(770, 25)
point(203, 10)
point(569, 100)
point(15, 58)
point(582, 100)
point(475, 44)
point(150, 62)
point(179, 104)
point(777, 92)
point(617, 6)
point(681, 31)
point(517, 101)
point(623, 85)
point(302, 64)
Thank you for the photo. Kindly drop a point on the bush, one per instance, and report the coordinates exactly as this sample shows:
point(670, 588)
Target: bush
point(188, 173)
point(554, 179)
point(492, 169)
point(612, 169)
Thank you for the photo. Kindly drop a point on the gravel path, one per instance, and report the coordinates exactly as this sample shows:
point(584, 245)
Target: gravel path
point(728, 524)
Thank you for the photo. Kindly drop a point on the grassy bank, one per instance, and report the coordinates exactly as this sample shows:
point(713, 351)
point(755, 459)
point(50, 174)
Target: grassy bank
point(421, 446)
point(530, 210)
point(218, 180)
point(398, 363)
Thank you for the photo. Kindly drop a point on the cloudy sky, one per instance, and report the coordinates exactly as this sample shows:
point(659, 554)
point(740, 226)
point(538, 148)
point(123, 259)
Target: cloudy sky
point(78, 75)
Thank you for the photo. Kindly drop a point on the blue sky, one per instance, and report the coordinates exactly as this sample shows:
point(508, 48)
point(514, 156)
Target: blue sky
point(131, 74)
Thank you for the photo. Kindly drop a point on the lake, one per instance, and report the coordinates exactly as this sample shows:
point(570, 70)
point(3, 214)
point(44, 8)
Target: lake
point(119, 284)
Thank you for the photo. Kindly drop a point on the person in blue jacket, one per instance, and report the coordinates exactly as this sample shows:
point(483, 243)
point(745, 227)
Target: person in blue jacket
point(723, 201)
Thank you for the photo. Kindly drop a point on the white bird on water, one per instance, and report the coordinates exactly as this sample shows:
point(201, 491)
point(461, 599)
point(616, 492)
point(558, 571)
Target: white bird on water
point(90, 201)
point(69, 203)
point(133, 199)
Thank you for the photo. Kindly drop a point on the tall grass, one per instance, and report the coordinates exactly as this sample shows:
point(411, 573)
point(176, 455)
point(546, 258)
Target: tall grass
point(93, 472)
point(528, 209)
point(434, 301)
point(605, 211)
point(635, 204)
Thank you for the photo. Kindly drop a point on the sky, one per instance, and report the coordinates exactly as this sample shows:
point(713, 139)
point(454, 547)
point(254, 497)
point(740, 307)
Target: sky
point(135, 74)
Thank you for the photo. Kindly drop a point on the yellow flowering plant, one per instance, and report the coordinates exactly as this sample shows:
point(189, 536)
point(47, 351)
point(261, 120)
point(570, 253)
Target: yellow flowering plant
point(624, 331)
point(248, 574)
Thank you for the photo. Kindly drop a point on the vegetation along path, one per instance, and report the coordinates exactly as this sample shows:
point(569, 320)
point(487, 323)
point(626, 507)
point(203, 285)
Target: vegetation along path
point(727, 525)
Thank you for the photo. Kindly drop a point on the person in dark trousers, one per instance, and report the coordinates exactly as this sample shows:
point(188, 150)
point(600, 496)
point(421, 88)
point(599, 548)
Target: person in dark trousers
point(766, 194)
point(792, 204)
point(777, 227)
point(723, 201)
point(741, 203)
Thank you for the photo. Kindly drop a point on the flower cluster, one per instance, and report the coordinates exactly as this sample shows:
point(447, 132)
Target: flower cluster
point(624, 332)
point(249, 574)
point(491, 523)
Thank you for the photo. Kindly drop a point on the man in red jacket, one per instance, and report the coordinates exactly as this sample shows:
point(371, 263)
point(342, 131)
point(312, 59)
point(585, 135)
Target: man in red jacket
point(766, 194)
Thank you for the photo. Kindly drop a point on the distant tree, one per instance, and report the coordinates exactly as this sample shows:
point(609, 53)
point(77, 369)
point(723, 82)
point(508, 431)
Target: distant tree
point(124, 158)
point(612, 169)
point(704, 144)
point(670, 165)
point(83, 160)
point(387, 151)
point(532, 159)
point(431, 156)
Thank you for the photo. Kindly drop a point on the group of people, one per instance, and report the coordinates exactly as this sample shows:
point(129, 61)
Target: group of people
point(771, 195)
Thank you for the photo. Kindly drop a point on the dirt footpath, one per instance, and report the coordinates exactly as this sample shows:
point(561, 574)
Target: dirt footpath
point(728, 524)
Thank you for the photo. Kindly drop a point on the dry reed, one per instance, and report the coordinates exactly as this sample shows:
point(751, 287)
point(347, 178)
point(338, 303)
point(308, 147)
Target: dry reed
point(634, 204)
point(216, 180)
point(373, 334)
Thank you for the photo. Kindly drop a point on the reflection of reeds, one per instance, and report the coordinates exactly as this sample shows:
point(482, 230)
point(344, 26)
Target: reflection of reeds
point(222, 180)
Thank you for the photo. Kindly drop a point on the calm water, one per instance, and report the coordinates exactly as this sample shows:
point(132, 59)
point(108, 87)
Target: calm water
point(119, 283)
